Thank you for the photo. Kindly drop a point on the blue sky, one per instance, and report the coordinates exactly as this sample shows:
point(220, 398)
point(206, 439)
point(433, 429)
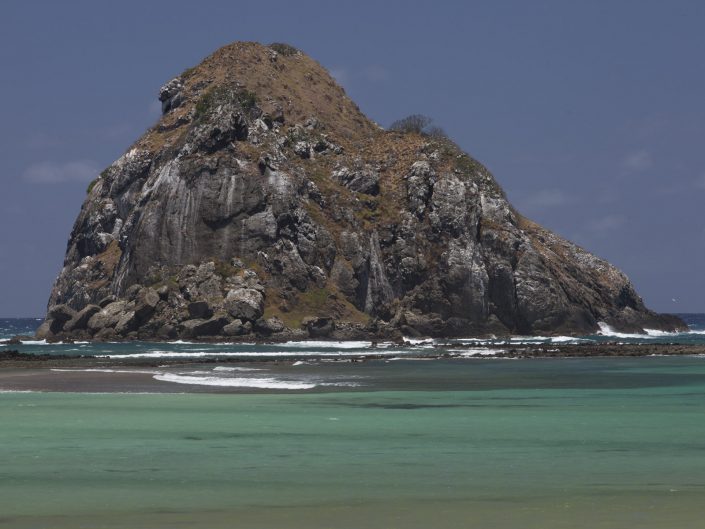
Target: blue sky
point(590, 114)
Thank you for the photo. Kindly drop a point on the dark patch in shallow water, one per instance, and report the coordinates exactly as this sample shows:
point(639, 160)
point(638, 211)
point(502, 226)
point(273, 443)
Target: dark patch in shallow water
point(402, 406)
point(431, 406)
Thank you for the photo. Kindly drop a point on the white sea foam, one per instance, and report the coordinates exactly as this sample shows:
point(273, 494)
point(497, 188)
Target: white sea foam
point(104, 370)
point(250, 354)
point(421, 346)
point(522, 340)
point(239, 344)
point(340, 384)
point(224, 368)
point(44, 342)
point(261, 383)
point(205, 378)
point(533, 339)
point(177, 354)
point(568, 339)
point(330, 344)
point(395, 358)
point(480, 352)
point(417, 341)
point(657, 333)
point(607, 330)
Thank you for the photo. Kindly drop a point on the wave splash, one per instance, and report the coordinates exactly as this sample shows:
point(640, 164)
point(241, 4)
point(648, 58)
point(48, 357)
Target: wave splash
point(236, 382)
point(222, 376)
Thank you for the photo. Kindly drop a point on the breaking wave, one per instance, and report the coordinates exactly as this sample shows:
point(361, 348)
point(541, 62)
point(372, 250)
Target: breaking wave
point(236, 382)
point(324, 344)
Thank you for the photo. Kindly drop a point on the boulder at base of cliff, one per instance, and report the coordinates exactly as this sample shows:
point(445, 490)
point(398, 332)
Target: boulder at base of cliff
point(319, 327)
point(269, 326)
point(145, 304)
point(108, 317)
point(58, 316)
point(237, 328)
point(44, 330)
point(127, 323)
point(80, 320)
point(246, 304)
point(201, 327)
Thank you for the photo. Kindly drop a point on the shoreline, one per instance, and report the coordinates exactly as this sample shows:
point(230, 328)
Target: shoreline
point(46, 373)
point(12, 358)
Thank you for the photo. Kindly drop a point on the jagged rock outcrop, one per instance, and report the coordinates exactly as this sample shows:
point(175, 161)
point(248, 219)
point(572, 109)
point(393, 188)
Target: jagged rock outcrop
point(265, 202)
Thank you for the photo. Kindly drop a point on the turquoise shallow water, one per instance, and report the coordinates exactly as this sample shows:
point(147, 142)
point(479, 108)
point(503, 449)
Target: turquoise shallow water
point(579, 443)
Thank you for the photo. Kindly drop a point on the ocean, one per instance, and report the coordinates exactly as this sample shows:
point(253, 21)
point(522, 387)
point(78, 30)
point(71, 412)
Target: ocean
point(329, 349)
point(327, 442)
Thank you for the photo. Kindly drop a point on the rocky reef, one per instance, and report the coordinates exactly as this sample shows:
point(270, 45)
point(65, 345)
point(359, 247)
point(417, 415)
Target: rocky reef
point(265, 203)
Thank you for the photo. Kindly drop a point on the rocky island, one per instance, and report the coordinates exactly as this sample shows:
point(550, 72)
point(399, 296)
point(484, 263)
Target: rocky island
point(265, 205)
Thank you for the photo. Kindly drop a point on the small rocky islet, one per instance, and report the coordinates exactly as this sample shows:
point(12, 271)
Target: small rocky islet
point(265, 205)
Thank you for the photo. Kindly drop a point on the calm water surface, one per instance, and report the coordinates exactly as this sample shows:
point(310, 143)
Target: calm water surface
point(577, 443)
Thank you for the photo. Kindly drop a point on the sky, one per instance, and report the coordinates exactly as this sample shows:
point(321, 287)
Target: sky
point(590, 114)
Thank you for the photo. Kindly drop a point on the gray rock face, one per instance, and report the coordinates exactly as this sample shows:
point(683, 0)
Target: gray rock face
point(200, 309)
point(221, 216)
point(378, 290)
point(303, 149)
point(169, 95)
point(419, 183)
point(363, 180)
point(225, 124)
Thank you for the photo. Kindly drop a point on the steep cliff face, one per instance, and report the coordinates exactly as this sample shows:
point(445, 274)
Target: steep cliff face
point(264, 201)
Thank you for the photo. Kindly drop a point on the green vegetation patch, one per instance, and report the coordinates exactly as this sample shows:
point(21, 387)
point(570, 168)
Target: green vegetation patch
point(103, 174)
point(188, 72)
point(224, 269)
point(91, 185)
point(220, 95)
point(283, 49)
point(418, 124)
point(313, 302)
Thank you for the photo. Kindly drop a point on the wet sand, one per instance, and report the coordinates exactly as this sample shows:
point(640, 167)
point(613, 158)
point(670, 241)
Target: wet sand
point(80, 381)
